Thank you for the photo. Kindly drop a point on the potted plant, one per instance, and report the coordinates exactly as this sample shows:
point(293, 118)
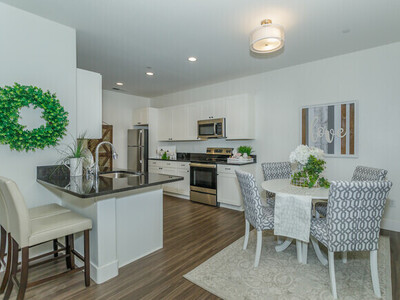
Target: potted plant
point(245, 151)
point(75, 155)
point(310, 165)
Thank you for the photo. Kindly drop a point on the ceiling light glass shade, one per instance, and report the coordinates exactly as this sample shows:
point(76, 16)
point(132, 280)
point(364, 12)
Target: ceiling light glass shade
point(267, 38)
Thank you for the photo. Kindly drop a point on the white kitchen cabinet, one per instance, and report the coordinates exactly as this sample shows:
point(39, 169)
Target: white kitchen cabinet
point(89, 104)
point(183, 169)
point(184, 185)
point(219, 108)
point(193, 113)
point(213, 109)
point(240, 115)
point(180, 123)
point(176, 168)
point(228, 189)
point(165, 124)
point(141, 116)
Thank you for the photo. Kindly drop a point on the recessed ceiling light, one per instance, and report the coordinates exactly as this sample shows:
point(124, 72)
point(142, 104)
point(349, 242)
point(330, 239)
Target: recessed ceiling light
point(149, 73)
point(119, 83)
point(192, 58)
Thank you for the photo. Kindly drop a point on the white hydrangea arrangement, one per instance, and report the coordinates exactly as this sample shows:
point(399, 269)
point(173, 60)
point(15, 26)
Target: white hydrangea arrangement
point(312, 164)
point(302, 153)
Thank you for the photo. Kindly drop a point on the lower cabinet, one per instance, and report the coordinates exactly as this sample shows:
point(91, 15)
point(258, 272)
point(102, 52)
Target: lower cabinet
point(228, 189)
point(173, 168)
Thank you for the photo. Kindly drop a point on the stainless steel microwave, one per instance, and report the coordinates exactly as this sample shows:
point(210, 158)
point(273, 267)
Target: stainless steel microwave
point(211, 128)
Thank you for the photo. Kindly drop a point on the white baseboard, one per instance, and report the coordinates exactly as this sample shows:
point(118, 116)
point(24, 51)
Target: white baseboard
point(389, 224)
point(177, 195)
point(101, 275)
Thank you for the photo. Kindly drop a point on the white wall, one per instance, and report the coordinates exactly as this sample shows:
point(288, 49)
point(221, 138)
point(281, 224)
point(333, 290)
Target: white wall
point(118, 111)
point(36, 51)
point(370, 76)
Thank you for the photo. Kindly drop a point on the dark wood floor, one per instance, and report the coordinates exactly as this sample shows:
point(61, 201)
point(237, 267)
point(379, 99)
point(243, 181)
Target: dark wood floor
point(192, 234)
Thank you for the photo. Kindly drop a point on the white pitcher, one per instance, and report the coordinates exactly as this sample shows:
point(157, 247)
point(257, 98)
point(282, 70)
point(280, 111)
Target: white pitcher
point(75, 166)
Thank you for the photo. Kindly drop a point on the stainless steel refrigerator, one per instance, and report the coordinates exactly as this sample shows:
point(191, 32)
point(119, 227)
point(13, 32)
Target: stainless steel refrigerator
point(138, 149)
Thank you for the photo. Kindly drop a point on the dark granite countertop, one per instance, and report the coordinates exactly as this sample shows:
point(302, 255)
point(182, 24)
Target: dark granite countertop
point(197, 160)
point(87, 187)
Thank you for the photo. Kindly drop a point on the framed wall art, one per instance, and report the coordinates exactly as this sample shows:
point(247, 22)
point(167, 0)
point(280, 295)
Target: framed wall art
point(331, 127)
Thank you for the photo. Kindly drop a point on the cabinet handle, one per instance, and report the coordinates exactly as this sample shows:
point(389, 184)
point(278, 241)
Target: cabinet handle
point(139, 123)
point(227, 169)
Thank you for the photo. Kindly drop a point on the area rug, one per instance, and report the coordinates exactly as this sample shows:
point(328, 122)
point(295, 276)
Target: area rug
point(230, 273)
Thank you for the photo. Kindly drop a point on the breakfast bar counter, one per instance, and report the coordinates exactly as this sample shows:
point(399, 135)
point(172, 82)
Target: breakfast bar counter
point(126, 209)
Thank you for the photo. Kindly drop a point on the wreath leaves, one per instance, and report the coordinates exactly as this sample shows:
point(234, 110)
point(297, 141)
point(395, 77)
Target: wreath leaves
point(12, 99)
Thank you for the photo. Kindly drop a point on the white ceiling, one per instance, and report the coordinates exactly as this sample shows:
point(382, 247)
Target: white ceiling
point(120, 39)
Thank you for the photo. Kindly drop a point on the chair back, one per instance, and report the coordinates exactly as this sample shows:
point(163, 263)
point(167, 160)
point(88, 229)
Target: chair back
point(362, 173)
point(18, 215)
point(276, 170)
point(3, 211)
point(251, 198)
point(354, 214)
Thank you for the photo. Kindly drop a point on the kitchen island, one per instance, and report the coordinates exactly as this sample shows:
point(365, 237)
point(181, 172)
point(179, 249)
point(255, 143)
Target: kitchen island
point(126, 210)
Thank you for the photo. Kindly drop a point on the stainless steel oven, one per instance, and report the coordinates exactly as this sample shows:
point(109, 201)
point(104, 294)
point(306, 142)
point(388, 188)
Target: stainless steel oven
point(212, 128)
point(203, 183)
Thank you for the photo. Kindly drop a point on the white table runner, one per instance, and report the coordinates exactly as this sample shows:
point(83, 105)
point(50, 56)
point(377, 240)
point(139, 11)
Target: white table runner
point(292, 216)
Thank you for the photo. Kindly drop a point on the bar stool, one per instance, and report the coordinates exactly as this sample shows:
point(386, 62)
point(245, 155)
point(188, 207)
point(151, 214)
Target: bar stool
point(34, 213)
point(26, 233)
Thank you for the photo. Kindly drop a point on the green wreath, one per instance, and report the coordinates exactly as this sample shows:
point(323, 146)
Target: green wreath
point(12, 99)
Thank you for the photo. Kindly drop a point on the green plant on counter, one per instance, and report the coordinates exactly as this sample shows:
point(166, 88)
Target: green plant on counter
point(309, 176)
point(12, 99)
point(245, 149)
point(76, 150)
point(165, 156)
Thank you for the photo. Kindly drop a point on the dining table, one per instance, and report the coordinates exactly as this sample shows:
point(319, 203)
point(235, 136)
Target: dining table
point(317, 194)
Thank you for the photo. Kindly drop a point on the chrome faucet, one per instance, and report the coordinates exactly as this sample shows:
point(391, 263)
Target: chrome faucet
point(96, 164)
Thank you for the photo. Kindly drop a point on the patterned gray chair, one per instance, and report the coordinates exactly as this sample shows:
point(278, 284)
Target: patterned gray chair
point(361, 173)
point(275, 170)
point(352, 223)
point(259, 216)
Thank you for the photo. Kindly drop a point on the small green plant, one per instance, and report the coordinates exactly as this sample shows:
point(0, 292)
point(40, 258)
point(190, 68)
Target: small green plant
point(309, 176)
point(245, 149)
point(165, 156)
point(76, 150)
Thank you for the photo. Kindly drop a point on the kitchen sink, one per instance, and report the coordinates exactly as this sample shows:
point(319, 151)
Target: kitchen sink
point(119, 174)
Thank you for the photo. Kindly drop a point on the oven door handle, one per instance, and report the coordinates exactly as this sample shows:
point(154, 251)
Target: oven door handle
point(209, 166)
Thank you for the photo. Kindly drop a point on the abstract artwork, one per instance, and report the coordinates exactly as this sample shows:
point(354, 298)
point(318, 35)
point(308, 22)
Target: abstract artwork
point(331, 127)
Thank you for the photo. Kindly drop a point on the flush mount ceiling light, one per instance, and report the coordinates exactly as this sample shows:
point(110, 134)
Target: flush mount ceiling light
point(267, 38)
point(192, 58)
point(119, 83)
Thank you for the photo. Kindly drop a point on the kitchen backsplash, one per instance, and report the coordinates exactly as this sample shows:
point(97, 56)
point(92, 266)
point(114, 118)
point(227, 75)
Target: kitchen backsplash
point(201, 146)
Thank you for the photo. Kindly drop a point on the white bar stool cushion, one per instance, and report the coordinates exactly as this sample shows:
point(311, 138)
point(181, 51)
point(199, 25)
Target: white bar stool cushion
point(53, 227)
point(47, 211)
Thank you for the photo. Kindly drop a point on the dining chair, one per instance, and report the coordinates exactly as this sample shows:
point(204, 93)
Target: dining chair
point(352, 223)
point(275, 170)
point(26, 232)
point(256, 214)
point(361, 173)
point(34, 213)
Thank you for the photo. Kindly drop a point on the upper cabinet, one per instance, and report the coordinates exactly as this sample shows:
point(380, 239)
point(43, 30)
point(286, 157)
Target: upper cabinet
point(212, 109)
point(89, 104)
point(179, 123)
point(240, 115)
point(165, 124)
point(141, 116)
